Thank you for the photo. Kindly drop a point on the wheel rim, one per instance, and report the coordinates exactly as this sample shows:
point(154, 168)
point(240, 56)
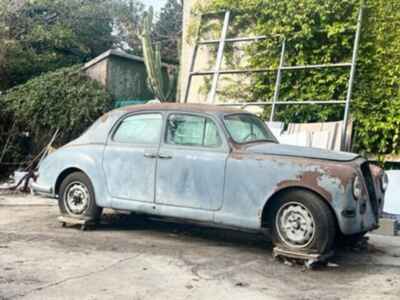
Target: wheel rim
point(76, 198)
point(295, 225)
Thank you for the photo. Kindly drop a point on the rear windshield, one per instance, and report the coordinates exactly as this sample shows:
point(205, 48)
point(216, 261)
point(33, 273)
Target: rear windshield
point(246, 128)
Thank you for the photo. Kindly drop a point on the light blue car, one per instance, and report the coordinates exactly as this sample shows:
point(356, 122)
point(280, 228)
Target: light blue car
point(214, 165)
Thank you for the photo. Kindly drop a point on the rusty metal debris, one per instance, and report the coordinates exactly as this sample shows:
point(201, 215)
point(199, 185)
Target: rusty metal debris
point(21, 179)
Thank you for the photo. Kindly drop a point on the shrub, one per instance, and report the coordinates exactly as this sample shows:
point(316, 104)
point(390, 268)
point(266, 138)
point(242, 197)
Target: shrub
point(64, 99)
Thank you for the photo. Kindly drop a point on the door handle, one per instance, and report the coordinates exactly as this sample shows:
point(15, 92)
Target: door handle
point(150, 155)
point(164, 156)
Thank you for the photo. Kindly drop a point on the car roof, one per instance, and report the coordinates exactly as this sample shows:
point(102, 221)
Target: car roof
point(184, 107)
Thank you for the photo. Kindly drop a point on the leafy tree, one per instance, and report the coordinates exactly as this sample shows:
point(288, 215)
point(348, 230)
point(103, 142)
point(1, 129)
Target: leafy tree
point(377, 98)
point(168, 30)
point(128, 16)
point(43, 35)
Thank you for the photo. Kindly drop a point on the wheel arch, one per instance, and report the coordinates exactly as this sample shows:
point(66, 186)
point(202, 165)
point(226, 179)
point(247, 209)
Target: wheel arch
point(63, 175)
point(271, 200)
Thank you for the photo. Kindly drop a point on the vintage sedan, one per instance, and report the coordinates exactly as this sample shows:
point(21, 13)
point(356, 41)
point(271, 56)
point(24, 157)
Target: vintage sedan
point(218, 166)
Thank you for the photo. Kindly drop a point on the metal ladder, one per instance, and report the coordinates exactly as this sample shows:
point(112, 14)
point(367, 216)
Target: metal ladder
point(216, 72)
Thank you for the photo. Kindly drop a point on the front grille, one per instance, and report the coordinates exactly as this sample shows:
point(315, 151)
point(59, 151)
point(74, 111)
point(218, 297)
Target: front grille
point(370, 187)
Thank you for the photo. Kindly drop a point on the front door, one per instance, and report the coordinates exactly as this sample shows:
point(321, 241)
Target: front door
point(129, 158)
point(191, 163)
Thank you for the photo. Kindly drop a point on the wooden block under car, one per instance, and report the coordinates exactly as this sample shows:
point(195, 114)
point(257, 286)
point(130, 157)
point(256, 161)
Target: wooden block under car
point(83, 222)
point(387, 227)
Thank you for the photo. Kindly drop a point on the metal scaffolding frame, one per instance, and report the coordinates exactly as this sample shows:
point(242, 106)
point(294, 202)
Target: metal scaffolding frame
point(216, 72)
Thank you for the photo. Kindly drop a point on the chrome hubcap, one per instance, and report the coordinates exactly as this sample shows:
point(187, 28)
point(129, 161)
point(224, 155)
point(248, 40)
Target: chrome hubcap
point(76, 197)
point(295, 225)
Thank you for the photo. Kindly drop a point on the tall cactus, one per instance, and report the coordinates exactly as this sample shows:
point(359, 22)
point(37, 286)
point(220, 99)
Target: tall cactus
point(161, 85)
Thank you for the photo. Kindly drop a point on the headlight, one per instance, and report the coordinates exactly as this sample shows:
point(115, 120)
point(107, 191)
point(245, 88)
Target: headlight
point(357, 187)
point(384, 182)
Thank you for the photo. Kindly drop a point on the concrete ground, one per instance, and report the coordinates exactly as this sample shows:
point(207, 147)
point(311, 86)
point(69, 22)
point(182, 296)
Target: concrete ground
point(129, 257)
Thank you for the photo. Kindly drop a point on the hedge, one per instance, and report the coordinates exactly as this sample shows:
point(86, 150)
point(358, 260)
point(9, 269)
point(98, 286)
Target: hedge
point(64, 99)
point(323, 32)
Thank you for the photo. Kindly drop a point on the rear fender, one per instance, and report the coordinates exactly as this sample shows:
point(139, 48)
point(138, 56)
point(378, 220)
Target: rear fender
point(86, 159)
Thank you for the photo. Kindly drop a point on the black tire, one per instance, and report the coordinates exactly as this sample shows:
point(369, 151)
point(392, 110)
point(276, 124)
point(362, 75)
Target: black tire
point(80, 182)
point(296, 208)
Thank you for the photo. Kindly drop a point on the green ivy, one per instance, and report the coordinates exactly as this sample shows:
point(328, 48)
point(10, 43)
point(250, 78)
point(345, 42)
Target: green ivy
point(323, 32)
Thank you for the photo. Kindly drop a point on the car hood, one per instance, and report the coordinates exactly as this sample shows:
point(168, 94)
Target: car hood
point(297, 151)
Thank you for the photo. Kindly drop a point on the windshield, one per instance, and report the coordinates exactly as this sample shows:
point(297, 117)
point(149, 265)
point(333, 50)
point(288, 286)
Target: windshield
point(246, 128)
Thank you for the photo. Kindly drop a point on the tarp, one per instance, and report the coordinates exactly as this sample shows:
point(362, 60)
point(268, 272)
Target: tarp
point(324, 135)
point(392, 197)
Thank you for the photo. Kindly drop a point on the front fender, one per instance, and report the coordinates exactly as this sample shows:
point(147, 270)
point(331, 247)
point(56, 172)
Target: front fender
point(288, 186)
point(334, 185)
point(253, 180)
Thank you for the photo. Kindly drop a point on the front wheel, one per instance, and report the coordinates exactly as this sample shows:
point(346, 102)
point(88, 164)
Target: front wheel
point(301, 221)
point(77, 199)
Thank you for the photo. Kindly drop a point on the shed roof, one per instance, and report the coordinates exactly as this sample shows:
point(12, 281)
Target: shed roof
point(118, 53)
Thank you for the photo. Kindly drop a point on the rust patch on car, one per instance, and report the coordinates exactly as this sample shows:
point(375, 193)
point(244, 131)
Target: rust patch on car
point(310, 177)
point(307, 179)
point(342, 172)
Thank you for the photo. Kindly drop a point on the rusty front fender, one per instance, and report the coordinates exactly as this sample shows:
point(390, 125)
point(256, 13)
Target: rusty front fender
point(265, 217)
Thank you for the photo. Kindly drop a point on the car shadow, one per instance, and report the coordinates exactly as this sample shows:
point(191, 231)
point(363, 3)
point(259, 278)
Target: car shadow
point(346, 256)
point(183, 230)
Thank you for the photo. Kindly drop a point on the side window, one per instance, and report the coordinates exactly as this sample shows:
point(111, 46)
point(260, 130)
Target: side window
point(211, 135)
point(192, 130)
point(139, 129)
point(244, 130)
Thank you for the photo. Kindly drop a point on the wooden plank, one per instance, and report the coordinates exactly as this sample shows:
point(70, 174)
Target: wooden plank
point(82, 222)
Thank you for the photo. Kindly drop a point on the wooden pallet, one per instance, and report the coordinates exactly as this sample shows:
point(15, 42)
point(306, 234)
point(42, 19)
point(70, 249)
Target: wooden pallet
point(310, 260)
point(84, 223)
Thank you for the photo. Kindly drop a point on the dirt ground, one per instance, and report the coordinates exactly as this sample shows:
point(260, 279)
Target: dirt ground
point(130, 257)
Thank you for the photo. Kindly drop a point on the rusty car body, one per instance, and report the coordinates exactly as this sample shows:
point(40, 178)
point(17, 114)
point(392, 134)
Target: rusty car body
point(239, 184)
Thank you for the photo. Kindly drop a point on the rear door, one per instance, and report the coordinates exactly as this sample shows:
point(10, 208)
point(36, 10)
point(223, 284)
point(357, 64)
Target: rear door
point(129, 159)
point(191, 163)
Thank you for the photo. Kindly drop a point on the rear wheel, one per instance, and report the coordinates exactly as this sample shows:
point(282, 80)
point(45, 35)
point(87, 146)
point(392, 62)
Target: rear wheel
point(77, 199)
point(301, 221)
